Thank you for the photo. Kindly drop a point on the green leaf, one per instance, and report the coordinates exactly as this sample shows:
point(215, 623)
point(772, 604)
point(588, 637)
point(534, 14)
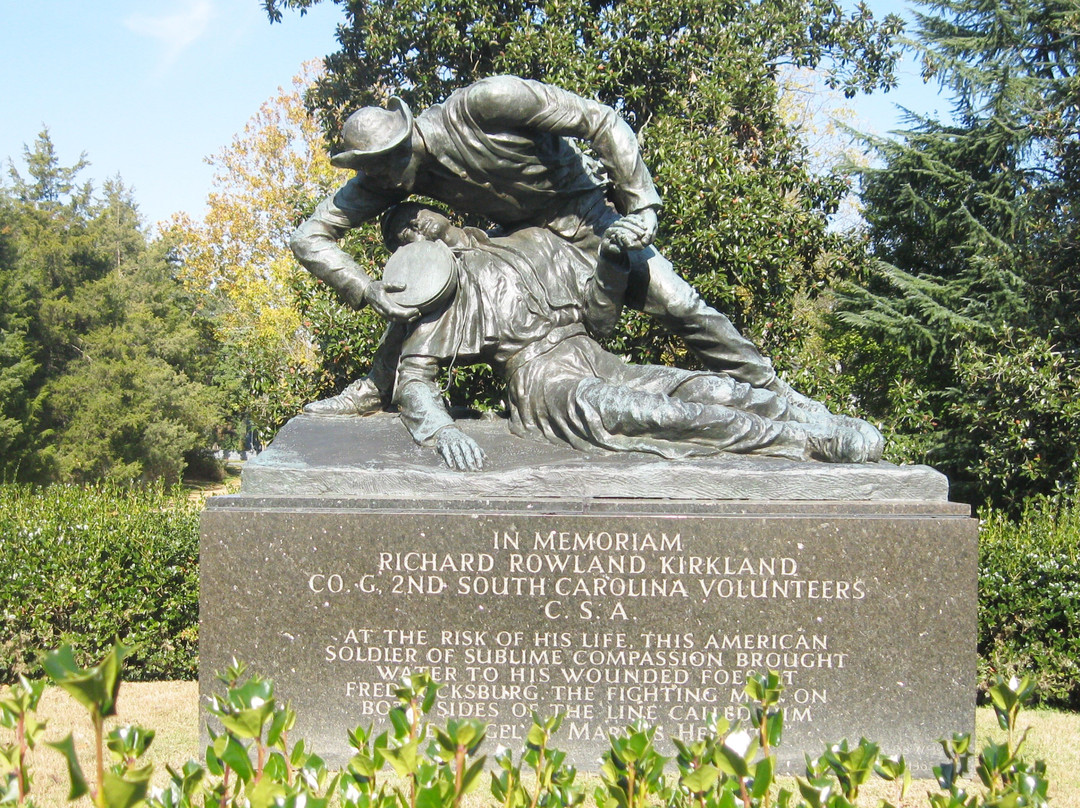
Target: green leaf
point(763, 777)
point(732, 762)
point(213, 762)
point(362, 766)
point(255, 692)
point(402, 759)
point(277, 727)
point(129, 742)
point(429, 697)
point(96, 687)
point(701, 779)
point(536, 737)
point(400, 723)
point(470, 780)
point(775, 728)
point(429, 797)
point(248, 723)
point(235, 756)
point(128, 789)
point(266, 793)
point(75, 775)
point(296, 757)
point(276, 768)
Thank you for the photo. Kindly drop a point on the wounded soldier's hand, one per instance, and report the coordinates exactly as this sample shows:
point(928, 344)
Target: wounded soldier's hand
point(459, 450)
point(635, 231)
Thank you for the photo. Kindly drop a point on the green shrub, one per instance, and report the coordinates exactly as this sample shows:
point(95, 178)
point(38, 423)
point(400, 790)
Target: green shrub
point(85, 566)
point(1029, 598)
point(251, 762)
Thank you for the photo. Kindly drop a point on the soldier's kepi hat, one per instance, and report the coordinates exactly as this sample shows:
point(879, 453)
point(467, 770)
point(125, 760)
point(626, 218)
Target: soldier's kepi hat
point(371, 131)
point(427, 270)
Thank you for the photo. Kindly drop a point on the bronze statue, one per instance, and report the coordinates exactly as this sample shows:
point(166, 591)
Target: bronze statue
point(503, 148)
point(515, 302)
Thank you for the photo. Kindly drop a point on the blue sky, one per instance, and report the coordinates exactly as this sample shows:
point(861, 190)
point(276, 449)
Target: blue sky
point(149, 88)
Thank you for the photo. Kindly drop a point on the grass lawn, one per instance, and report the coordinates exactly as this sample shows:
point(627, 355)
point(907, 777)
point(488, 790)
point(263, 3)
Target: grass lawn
point(171, 709)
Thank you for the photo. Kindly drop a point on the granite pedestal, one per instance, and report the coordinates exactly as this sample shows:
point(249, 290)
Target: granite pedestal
point(610, 588)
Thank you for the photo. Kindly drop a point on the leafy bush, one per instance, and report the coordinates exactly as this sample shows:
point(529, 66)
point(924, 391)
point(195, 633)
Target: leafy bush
point(252, 763)
point(1029, 598)
point(85, 566)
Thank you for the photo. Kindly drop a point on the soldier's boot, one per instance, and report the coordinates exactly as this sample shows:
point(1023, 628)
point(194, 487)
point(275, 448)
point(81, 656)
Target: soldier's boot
point(362, 397)
point(373, 392)
point(836, 444)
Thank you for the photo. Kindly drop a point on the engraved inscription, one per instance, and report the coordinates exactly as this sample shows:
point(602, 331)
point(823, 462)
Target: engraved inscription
point(590, 650)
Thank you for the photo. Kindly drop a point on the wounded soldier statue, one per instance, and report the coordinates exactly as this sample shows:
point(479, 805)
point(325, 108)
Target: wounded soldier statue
point(515, 303)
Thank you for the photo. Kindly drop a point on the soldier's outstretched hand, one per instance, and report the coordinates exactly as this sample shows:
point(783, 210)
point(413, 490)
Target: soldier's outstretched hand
point(635, 231)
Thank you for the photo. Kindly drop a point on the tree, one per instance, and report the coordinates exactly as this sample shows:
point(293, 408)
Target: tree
point(103, 370)
point(975, 223)
point(238, 266)
point(17, 365)
point(745, 217)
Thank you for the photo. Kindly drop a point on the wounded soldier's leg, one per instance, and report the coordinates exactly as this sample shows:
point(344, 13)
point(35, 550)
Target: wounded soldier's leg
point(715, 388)
point(656, 289)
point(628, 414)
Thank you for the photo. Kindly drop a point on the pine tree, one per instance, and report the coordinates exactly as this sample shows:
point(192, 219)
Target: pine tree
point(103, 370)
point(974, 222)
point(17, 365)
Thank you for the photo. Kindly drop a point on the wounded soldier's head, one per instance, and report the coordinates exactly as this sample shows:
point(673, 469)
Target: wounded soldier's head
point(409, 222)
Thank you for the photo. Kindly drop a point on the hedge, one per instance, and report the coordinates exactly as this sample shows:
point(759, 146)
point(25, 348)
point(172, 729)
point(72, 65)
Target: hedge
point(83, 566)
point(1029, 599)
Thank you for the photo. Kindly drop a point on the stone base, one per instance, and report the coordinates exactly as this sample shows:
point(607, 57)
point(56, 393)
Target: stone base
point(622, 588)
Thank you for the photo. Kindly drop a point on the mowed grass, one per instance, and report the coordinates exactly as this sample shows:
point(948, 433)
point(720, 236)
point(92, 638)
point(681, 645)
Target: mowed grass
point(171, 709)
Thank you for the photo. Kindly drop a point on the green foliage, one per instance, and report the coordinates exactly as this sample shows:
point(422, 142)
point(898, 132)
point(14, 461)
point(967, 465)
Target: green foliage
point(251, 763)
point(17, 713)
point(238, 268)
point(1029, 599)
point(252, 756)
point(744, 215)
point(346, 338)
point(104, 373)
point(125, 783)
point(84, 566)
point(17, 365)
point(1006, 778)
point(632, 771)
point(1015, 429)
point(975, 222)
point(552, 778)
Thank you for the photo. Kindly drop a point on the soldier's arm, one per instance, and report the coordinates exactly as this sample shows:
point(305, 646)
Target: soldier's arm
point(315, 242)
point(605, 292)
point(514, 103)
point(425, 416)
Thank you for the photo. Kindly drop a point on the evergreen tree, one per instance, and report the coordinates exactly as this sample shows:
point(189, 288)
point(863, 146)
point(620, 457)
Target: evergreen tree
point(975, 224)
point(103, 370)
point(17, 365)
point(745, 218)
